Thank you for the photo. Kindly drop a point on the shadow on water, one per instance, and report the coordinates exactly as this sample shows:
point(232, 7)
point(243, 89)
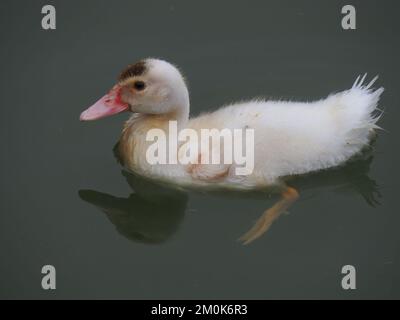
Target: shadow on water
point(153, 212)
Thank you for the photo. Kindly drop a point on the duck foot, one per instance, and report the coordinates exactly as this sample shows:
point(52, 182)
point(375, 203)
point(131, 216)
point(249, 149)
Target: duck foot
point(288, 196)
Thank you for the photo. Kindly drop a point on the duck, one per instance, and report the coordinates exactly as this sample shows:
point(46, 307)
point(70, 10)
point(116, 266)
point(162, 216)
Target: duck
point(290, 138)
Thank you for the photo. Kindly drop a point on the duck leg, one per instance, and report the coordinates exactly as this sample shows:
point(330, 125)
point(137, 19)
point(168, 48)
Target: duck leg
point(288, 196)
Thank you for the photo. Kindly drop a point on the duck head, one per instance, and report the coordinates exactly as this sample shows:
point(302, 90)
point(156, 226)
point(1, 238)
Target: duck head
point(150, 86)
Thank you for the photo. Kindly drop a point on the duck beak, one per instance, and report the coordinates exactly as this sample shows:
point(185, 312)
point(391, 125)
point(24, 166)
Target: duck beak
point(108, 105)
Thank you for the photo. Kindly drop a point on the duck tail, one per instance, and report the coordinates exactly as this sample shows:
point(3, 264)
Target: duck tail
point(366, 99)
point(356, 112)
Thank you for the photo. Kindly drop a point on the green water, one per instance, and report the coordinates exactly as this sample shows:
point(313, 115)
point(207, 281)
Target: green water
point(66, 202)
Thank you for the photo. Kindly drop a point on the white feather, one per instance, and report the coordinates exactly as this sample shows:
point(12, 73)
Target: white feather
point(296, 137)
point(291, 138)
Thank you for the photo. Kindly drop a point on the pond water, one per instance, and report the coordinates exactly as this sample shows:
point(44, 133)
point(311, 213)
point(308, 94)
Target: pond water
point(66, 202)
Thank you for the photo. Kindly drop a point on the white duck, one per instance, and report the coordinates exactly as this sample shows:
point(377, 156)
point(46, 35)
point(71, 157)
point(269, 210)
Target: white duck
point(290, 138)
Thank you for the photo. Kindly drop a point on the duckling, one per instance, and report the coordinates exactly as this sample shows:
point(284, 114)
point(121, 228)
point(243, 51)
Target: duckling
point(290, 138)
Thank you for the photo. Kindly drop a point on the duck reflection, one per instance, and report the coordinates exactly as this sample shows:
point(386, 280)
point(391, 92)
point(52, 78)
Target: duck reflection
point(153, 213)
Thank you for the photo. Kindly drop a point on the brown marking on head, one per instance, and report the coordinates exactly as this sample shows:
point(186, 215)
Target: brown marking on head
point(133, 70)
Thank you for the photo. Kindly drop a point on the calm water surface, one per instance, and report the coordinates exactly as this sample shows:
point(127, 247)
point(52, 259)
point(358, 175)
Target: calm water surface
point(65, 201)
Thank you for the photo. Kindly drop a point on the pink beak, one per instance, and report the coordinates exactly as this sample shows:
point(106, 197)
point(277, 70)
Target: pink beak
point(108, 105)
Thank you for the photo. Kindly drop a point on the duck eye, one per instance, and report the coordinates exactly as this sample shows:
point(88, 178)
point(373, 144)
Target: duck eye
point(139, 85)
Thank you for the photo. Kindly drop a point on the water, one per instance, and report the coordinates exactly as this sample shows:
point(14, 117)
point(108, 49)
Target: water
point(66, 202)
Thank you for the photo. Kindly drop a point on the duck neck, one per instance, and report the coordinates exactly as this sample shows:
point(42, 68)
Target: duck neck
point(181, 116)
point(132, 143)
